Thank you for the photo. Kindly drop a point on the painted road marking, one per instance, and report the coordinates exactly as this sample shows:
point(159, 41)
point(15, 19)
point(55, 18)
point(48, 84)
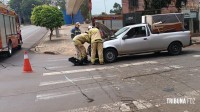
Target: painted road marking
point(169, 67)
point(196, 56)
point(142, 104)
point(74, 80)
point(55, 67)
point(193, 93)
point(100, 68)
point(114, 107)
point(76, 71)
point(62, 94)
point(64, 59)
point(70, 80)
point(176, 66)
point(110, 107)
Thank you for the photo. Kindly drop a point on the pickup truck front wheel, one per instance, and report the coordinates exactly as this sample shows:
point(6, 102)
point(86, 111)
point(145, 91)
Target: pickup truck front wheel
point(110, 55)
point(175, 48)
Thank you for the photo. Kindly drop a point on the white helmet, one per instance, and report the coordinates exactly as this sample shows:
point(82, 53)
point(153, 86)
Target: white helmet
point(77, 23)
point(89, 27)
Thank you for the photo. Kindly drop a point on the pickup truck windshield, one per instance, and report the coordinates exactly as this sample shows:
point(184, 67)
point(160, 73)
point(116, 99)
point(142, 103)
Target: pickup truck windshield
point(120, 31)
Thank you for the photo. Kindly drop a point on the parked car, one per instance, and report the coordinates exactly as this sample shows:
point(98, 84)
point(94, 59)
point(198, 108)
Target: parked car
point(135, 39)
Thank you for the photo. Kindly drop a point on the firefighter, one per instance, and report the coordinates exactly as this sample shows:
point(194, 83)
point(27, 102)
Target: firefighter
point(96, 44)
point(79, 41)
point(75, 31)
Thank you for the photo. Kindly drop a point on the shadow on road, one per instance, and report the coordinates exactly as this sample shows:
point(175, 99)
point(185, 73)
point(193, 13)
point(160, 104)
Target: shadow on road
point(153, 55)
point(4, 57)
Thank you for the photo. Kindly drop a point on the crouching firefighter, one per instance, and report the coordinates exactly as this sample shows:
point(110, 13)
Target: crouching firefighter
point(79, 41)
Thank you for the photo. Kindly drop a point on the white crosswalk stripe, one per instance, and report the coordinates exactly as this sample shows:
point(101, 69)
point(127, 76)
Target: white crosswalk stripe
point(62, 94)
point(196, 56)
point(87, 78)
point(115, 107)
point(74, 80)
point(69, 80)
point(100, 68)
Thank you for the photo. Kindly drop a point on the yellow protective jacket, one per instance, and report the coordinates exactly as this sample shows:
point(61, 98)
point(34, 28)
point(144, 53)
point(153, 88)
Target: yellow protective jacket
point(81, 39)
point(95, 35)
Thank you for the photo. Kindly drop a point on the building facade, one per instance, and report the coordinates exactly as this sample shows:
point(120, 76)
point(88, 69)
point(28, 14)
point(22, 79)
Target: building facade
point(130, 6)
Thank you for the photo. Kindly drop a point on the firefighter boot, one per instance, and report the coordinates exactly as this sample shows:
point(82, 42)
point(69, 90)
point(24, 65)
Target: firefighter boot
point(84, 61)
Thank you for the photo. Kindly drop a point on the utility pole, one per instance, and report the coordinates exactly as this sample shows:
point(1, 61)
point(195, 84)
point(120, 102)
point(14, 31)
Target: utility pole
point(54, 3)
point(199, 15)
point(90, 9)
point(105, 5)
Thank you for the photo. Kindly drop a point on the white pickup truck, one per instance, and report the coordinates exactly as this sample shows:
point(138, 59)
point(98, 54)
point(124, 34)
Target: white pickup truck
point(135, 39)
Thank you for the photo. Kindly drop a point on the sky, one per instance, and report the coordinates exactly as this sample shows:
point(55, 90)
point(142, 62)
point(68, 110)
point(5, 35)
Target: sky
point(98, 6)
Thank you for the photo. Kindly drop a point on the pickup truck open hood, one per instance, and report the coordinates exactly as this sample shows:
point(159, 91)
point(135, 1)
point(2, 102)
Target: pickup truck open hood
point(106, 31)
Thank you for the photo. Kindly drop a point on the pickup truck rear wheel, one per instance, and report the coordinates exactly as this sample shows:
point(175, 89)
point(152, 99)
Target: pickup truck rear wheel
point(110, 55)
point(175, 48)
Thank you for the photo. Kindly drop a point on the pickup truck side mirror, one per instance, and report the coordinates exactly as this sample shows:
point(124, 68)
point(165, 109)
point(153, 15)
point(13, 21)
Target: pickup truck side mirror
point(124, 37)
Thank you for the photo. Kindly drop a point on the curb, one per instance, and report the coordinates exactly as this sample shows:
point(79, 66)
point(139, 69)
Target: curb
point(195, 42)
point(34, 45)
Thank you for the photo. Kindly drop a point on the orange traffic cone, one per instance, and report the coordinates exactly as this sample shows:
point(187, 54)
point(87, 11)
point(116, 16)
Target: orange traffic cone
point(27, 65)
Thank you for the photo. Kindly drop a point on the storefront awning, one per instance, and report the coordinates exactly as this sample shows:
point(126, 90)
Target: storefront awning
point(73, 6)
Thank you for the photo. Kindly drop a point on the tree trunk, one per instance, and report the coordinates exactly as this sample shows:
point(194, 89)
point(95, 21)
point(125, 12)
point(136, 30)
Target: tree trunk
point(51, 34)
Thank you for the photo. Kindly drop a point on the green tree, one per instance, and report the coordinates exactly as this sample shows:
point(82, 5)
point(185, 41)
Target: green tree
point(48, 2)
point(61, 4)
point(117, 9)
point(85, 10)
point(26, 8)
point(104, 13)
point(47, 16)
point(16, 5)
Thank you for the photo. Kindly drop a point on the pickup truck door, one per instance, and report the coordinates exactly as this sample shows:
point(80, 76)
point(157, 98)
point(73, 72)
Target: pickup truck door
point(135, 40)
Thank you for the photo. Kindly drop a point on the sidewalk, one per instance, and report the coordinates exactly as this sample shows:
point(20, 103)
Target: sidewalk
point(61, 45)
point(196, 40)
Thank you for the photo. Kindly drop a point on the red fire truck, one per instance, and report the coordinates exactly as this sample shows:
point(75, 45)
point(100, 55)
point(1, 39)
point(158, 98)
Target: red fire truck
point(10, 33)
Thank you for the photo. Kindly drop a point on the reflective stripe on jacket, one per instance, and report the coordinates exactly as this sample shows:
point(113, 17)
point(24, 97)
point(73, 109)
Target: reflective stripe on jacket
point(95, 35)
point(75, 31)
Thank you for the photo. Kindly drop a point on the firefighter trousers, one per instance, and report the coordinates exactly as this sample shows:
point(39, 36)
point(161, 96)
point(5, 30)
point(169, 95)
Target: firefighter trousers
point(97, 47)
point(81, 51)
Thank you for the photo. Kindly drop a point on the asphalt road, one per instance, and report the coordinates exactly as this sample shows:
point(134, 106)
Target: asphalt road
point(139, 83)
point(30, 36)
